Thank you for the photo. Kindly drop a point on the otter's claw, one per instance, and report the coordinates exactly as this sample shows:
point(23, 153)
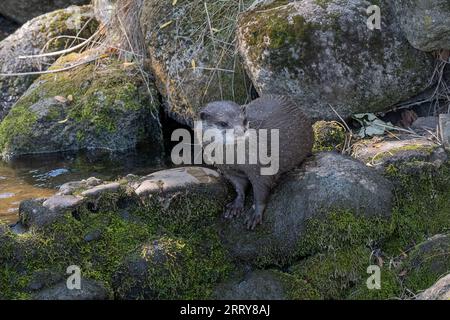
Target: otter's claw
point(253, 219)
point(234, 209)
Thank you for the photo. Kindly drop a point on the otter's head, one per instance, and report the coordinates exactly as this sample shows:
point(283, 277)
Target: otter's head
point(223, 116)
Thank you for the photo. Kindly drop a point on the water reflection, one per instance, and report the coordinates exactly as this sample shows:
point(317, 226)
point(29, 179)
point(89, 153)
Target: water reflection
point(40, 176)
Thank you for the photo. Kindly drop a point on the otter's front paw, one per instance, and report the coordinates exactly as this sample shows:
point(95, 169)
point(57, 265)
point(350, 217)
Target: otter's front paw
point(253, 219)
point(234, 209)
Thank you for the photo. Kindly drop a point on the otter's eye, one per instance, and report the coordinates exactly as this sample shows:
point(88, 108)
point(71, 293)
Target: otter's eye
point(203, 116)
point(222, 124)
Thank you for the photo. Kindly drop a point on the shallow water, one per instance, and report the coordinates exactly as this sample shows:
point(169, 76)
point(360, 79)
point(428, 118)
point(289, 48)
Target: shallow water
point(41, 176)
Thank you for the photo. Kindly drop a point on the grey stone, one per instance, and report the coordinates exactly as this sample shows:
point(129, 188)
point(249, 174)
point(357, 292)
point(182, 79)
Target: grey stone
point(190, 68)
point(444, 130)
point(93, 236)
point(42, 212)
point(58, 203)
point(33, 214)
point(425, 22)
point(429, 123)
point(179, 179)
point(30, 39)
point(431, 256)
point(328, 181)
point(103, 107)
point(98, 190)
point(322, 53)
point(257, 285)
point(90, 290)
point(44, 278)
point(72, 186)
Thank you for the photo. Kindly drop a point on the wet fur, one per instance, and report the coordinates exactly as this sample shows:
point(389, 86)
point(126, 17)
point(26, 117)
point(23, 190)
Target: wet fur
point(296, 142)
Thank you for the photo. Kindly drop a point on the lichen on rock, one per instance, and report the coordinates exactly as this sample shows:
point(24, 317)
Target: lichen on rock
point(103, 106)
point(323, 53)
point(192, 51)
point(34, 36)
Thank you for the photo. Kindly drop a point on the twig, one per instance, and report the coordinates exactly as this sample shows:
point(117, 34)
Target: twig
point(57, 53)
point(49, 71)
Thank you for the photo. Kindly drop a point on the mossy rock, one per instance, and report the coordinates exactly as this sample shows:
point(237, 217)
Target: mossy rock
point(322, 53)
point(333, 274)
point(427, 263)
point(265, 285)
point(196, 259)
point(382, 152)
point(332, 200)
point(194, 62)
point(162, 246)
point(191, 271)
point(30, 39)
point(423, 22)
point(421, 204)
point(104, 106)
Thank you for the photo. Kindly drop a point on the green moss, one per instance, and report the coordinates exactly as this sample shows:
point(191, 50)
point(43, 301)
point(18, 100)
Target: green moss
point(341, 229)
point(427, 263)
point(328, 136)
point(17, 125)
point(295, 287)
point(284, 35)
point(101, 97)
point(185, 228)
point(174, 269)
point(422, 204)
point(420, 149)
point(333, 274)
point(60, 23)
point(390, 287)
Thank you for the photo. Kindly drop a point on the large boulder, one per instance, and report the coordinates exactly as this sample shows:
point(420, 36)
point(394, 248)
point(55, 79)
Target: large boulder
point(425, 23)
point(23, 10)
point(31, 39)
point(106, 105)
point(328, 184)
point(323, 53)
point(192, 54)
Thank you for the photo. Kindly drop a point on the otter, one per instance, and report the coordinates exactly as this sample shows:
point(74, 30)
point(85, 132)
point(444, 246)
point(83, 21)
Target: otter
point(267, 112)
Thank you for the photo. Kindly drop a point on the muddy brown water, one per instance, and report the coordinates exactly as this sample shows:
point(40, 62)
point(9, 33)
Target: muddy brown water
point(41, 176)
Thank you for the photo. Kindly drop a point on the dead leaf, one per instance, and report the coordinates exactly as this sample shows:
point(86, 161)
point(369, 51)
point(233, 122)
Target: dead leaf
point(60, 99)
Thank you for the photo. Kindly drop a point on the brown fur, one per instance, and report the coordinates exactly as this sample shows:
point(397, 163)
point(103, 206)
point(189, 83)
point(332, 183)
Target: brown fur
point(296, 142)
